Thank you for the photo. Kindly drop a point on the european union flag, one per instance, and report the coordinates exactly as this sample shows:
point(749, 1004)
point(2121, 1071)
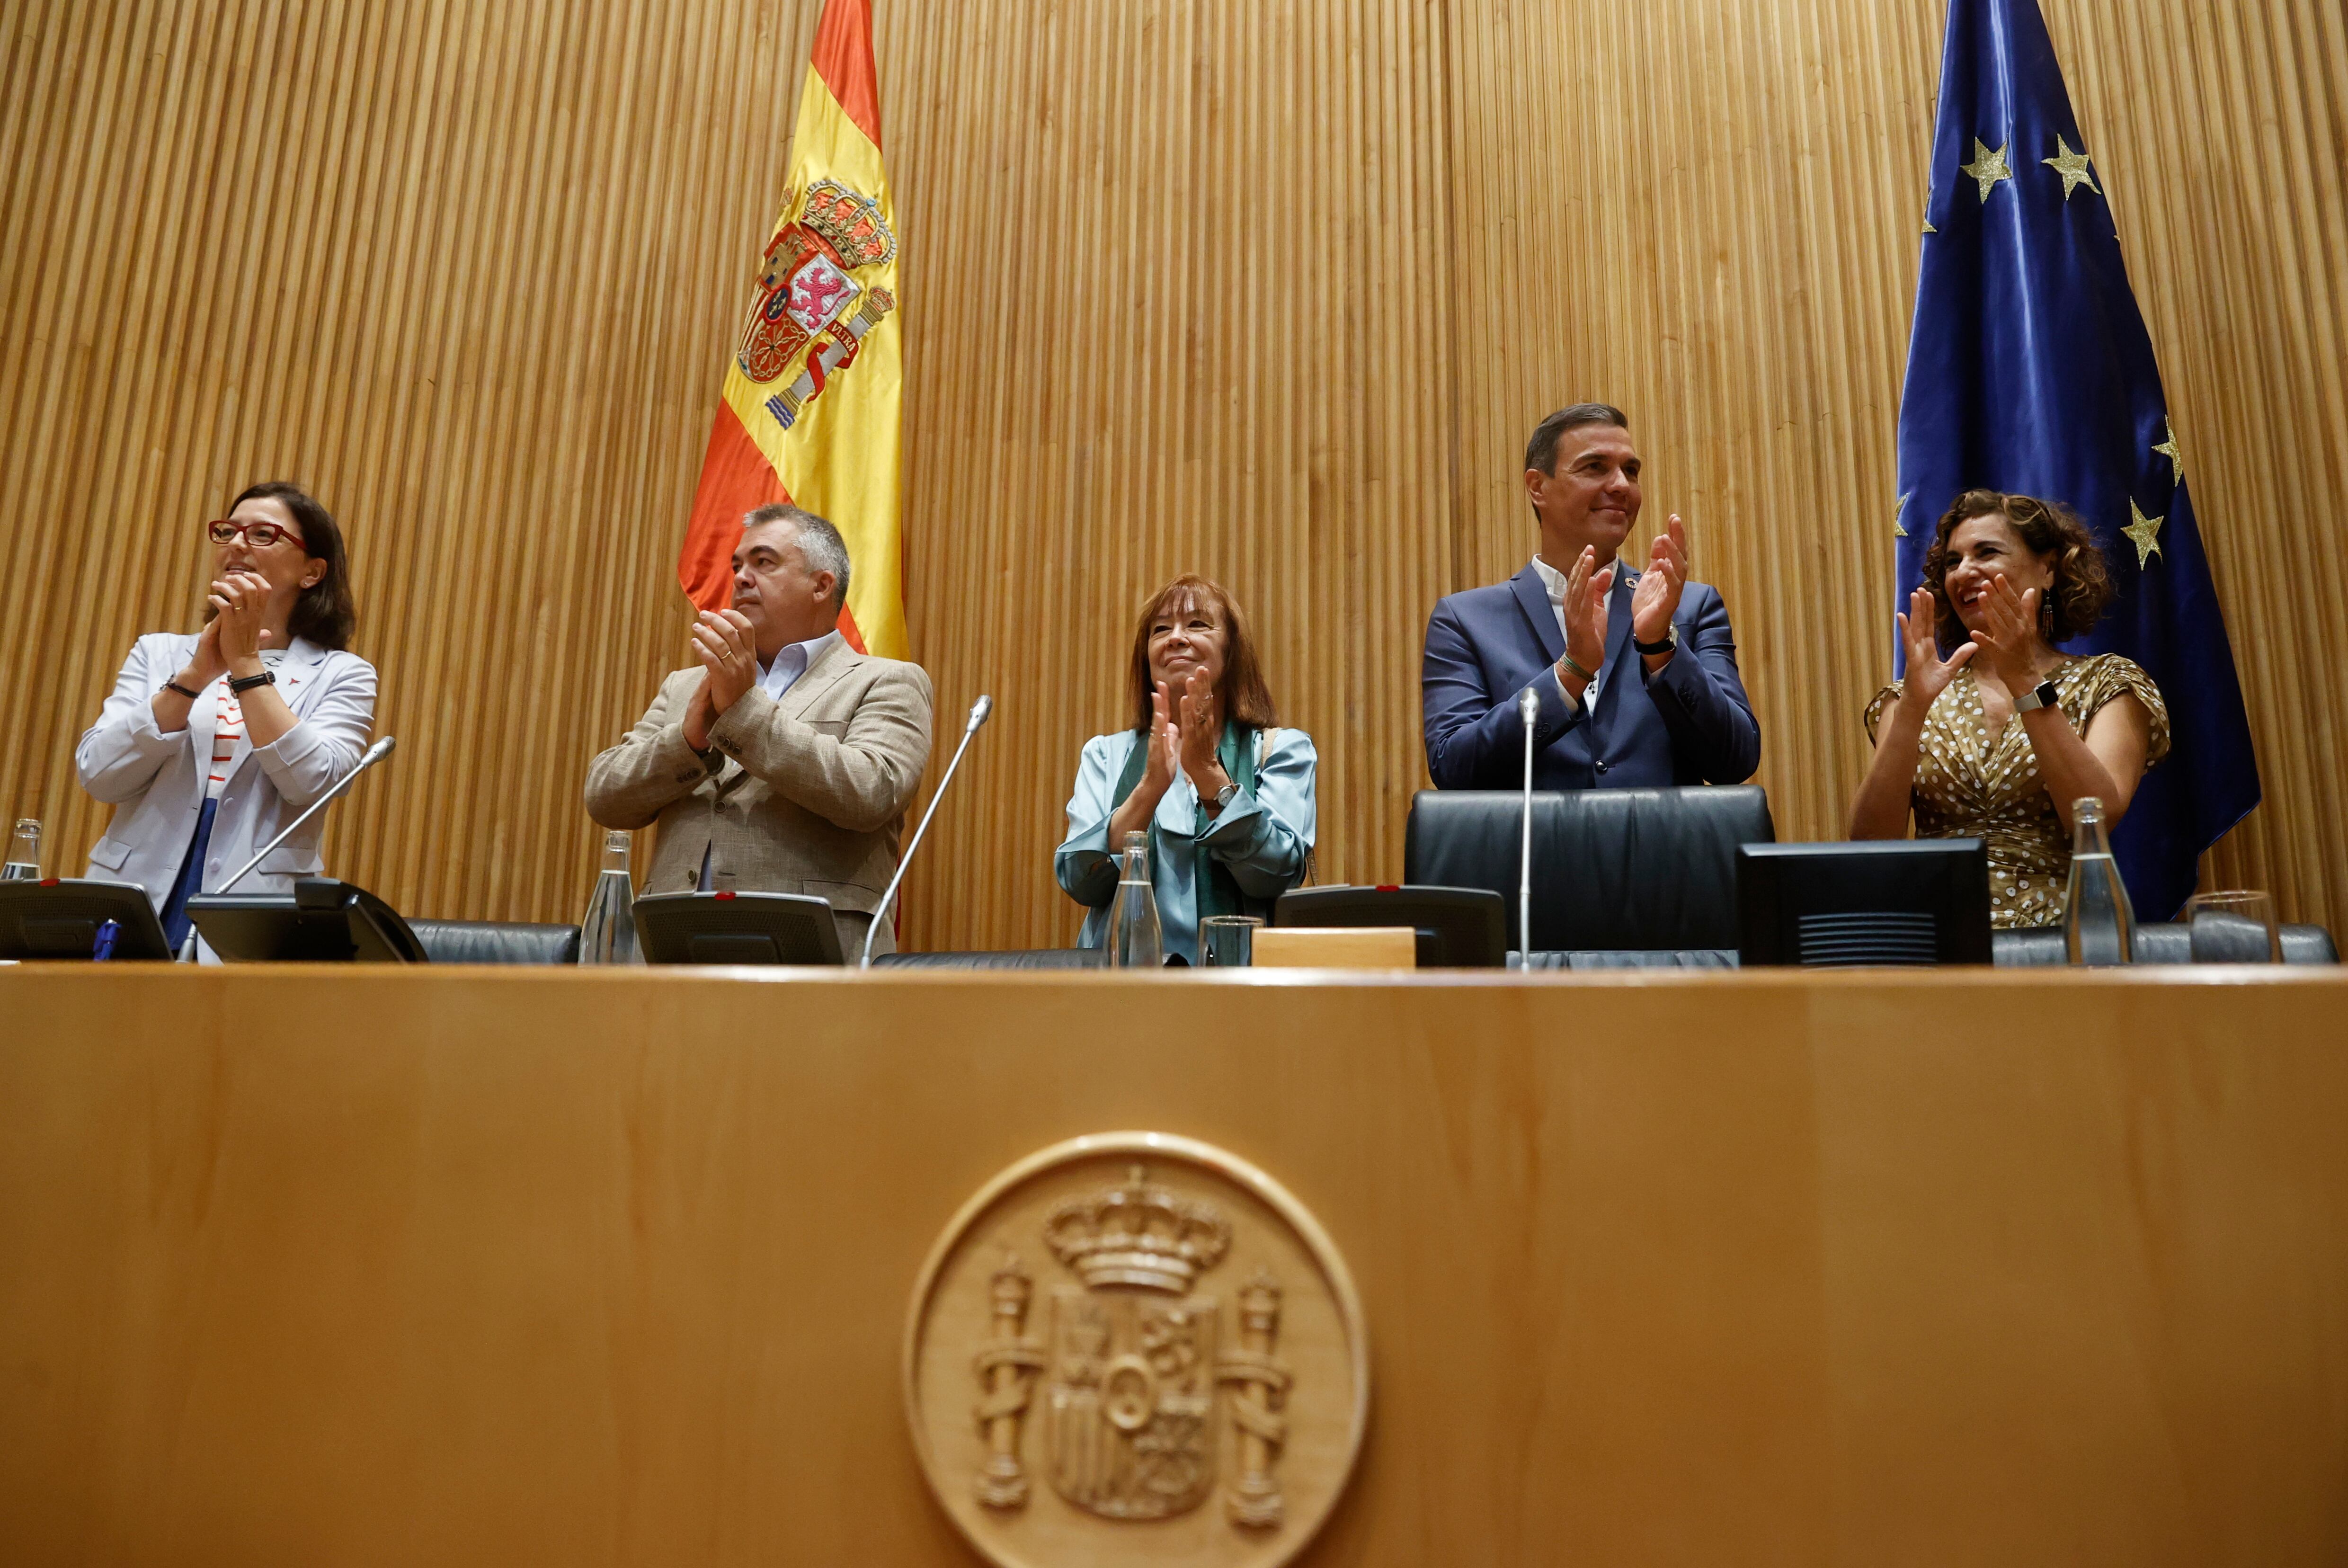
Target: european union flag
point(2029, 371)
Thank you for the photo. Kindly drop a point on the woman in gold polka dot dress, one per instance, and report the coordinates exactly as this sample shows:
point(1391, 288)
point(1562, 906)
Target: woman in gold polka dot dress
point(1995, 735)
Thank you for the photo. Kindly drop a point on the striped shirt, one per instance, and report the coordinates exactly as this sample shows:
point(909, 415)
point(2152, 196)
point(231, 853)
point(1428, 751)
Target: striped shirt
point(229, 741)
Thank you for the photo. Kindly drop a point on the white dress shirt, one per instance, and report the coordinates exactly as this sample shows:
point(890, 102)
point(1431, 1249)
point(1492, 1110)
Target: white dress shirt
point(1554, 584)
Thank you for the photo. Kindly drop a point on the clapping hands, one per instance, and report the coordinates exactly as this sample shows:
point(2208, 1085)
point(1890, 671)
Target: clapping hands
point(729, 651)
point(240, 602)
point(1929, 674)
point(1586, 588)
point(1185, 729)
point(1656, 599)
point(2008, 636)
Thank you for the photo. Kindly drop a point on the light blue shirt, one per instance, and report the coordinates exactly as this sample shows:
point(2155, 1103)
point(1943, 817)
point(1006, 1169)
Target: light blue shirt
point(791, 663)
point(1264, 836)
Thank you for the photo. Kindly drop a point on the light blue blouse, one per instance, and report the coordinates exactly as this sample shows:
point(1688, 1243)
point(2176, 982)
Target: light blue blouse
point(1264, 836)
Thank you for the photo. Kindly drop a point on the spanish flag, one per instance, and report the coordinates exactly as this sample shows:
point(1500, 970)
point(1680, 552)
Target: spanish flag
point(811, 410)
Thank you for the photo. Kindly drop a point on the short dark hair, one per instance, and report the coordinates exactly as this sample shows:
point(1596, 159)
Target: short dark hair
point(2082, 589)
point(1540, 451)
point(1247, 699)
point(328, 613)
point(820, 547)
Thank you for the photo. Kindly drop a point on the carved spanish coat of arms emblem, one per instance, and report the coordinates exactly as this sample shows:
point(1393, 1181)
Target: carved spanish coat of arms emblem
point(811, 311)
point(1188, 1330)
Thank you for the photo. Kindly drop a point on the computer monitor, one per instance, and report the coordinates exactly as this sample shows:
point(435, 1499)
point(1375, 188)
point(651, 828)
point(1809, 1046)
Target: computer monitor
point(1458, 927)
point(59, 918)
point(1887, 901)
point(322, 922)
point(737, 928)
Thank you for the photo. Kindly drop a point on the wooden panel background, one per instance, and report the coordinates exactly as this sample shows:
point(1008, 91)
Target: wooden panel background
point(1269, 291)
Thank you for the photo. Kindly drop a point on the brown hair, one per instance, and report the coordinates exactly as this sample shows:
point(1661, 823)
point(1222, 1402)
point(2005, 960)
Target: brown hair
point(328, 613)
point(1245, 696)
point(2083, 584)
point(1540, 447)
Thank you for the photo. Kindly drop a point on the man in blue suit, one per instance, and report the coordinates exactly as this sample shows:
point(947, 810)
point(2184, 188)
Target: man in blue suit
point(1636, 671)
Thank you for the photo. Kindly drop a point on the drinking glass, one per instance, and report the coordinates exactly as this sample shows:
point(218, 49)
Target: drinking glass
point(1228, 941)
point(2236, 927)
point(23, 862)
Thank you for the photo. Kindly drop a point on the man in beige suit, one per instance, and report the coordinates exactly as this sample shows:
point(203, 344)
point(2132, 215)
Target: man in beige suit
point(786, 759)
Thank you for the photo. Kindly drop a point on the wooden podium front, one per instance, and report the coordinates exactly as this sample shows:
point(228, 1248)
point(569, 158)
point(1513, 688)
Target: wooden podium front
point(467, 1266)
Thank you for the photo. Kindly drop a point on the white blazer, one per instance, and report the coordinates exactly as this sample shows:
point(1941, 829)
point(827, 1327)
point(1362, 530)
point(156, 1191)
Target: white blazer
point(156, 782)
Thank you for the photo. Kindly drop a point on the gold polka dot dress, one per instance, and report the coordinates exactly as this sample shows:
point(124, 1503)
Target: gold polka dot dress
point(1967, 788)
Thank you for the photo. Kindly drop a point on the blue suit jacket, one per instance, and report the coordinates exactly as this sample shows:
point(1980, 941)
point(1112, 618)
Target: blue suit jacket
point(1689, 725)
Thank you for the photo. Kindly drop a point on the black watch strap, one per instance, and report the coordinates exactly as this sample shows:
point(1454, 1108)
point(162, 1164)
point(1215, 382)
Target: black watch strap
point(266, 677)
point(175, 685)
point(1670, 640)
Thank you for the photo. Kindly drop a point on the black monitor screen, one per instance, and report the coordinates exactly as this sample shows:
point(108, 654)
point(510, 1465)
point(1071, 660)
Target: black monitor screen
point(1923, 901)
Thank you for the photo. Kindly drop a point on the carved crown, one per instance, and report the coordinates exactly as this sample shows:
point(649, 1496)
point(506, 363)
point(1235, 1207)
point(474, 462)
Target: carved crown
point(1139, 1234)
point(849, 223)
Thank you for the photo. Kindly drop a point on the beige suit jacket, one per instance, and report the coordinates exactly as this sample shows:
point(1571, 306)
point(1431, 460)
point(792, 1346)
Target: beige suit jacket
point(806, 794)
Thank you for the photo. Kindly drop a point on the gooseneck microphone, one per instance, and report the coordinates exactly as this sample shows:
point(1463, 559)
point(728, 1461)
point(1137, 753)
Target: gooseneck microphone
point(1528, 706)
point(375, 754)
point(979, 711)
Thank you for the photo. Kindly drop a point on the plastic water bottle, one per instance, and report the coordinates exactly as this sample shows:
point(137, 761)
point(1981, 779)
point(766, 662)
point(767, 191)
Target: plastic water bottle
point(2099, 921)
point(608, 933)
point(23, 862)
point(1133, 936)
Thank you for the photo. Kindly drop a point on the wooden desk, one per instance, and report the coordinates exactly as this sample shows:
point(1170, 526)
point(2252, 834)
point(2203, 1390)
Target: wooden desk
point(469, 1266)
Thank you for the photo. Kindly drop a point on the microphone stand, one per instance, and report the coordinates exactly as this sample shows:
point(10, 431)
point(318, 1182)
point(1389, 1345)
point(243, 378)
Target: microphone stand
point(1528, 706)
point(375, 754)
point(979, 711)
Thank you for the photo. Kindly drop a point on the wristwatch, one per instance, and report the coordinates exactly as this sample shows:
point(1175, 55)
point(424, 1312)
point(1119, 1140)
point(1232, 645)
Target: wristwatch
point(239, 688)
point(1225, 796)
point(1670, 640)
point(2042, 695)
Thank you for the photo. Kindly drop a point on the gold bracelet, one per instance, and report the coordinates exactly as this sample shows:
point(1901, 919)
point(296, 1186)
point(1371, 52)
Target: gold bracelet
point(1574, 664)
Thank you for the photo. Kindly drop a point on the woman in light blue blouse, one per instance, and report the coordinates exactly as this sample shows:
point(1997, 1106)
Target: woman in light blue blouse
point(1225, 796)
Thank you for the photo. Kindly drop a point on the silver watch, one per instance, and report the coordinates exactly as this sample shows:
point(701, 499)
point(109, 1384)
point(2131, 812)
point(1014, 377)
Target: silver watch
point(1225, 796)
point(2042, 695)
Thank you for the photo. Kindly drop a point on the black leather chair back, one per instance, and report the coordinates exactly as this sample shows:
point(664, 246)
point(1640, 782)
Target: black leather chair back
point(2158, 942)
point(1034, 958)
point(496, 941)
point(1614, 870)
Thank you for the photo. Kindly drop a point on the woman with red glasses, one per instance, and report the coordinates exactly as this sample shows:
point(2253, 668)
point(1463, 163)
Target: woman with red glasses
point(213, 741)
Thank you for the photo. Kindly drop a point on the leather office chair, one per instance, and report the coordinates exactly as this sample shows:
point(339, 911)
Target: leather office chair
point(2156, 942)
point(1622, 878)
point(1035, 958)
point(496, 941)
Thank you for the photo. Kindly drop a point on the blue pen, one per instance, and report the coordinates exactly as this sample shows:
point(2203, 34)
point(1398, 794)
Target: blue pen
point(103, 948)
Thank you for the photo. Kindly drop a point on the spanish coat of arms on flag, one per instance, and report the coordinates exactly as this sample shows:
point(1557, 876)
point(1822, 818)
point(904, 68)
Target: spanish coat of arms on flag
point(811, 403)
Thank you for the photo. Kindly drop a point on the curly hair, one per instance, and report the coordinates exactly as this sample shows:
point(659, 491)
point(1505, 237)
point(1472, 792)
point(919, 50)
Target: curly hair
point(2082, 588)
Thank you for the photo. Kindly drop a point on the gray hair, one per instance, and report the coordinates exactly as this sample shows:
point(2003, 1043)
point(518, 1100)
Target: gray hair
point(1540, 451)
point(820, 547)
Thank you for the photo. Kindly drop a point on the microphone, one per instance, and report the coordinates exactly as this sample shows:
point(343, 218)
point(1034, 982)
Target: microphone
point(375, 754)
point(979, 713)
point(1528, 706)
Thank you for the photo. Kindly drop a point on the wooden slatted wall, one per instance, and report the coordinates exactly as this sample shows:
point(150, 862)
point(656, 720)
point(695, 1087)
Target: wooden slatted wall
point(1270, 290)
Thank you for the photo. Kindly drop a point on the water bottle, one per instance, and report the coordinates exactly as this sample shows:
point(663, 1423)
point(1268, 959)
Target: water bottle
point(2098, 923)
point(1133, 938)
point(24, 861)
point(608, 933)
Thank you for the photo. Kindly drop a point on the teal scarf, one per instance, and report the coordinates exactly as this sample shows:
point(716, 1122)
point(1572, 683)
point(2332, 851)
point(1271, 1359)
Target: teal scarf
point(1219, 892)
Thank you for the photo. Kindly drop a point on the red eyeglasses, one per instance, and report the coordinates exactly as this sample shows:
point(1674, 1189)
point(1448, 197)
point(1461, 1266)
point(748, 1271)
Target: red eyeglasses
point(259, 535)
